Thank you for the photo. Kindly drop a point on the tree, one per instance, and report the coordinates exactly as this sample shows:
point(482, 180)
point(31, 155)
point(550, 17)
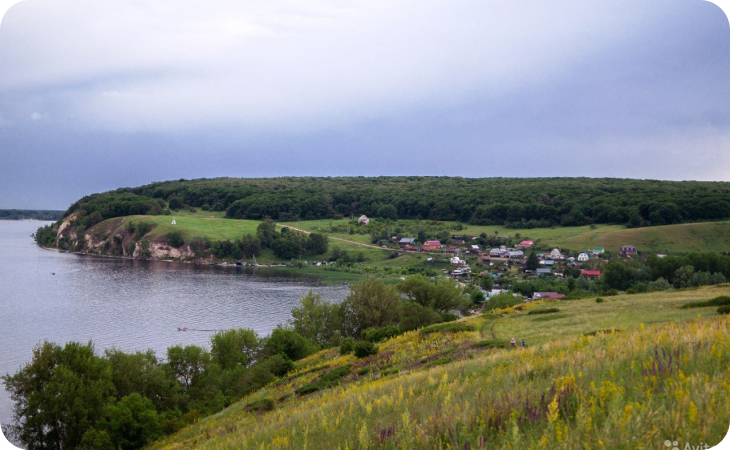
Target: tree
point(414, 315)
point(266, 231)
point(618, 275)
point(317, 244)
point(233, 348)
point(533, 262)
point(140, 372)
point(59, 395)
point(502, 301)
point(250, 246)
point(188, 363)
point(388, 212)
point(289, 343)
point(317, 320)
point(370, 303)
point(132, 422)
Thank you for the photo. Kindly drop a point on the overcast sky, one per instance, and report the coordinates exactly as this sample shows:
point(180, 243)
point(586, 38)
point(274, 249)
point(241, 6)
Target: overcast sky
point(98, 95)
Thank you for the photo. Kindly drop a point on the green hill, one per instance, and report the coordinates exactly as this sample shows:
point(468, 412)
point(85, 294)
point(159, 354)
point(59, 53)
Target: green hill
point(630, 372)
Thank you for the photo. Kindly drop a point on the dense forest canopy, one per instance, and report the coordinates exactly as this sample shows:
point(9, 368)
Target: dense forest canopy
point(35, 214)
point(516, 202)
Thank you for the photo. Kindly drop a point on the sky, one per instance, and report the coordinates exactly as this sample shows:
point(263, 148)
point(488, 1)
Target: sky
point(100, 95)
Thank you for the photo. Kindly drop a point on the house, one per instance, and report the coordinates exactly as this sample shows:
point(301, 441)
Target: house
point(363, 220)
point(474, 247)
point(548, 262)
point(583, 257)
point(524, 244)
point(555, 254)
point(597, 251)
point(516, 254)
point(457, 261)
point(628, 250)
point(541, 272)
point(405, 242)
point(496, 253)
point(591, 273)
point(431, 245)
point(546, 295)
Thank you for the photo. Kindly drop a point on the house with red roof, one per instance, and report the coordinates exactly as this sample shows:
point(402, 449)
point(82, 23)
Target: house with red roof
point(524, 244)
point(431, 245)
point(591, 273)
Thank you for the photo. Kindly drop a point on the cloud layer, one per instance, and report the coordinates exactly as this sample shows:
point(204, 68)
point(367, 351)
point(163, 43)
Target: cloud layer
point(606, 88)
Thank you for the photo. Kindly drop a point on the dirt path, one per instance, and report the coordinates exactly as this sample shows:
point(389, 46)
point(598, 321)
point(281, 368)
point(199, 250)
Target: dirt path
point(334, 238)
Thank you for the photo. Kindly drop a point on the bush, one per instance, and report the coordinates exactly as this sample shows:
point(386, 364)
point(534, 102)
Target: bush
point(347, 346)
point(379, 334)
point(450, 327)
point(599, 300)
point(492, 343)
point(543, 311)
point(364, 349)
point(261, 405)
point(501, 301)
point(175, 239)
point(722, 300)
point(440, 361)
point(725, 309)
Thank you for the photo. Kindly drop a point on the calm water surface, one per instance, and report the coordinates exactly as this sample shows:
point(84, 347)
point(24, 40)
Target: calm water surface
point(132, 305)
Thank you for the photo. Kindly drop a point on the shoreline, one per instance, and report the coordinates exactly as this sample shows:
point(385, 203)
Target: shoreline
point(325, 277)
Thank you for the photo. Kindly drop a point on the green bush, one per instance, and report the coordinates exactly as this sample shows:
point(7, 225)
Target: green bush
point(379, 334)
point(450, 327)
point(175, 239)
point(263, 404)
point(725, 309)
point(335, 374)
point(599, 300)
point(546, 318)
point(543, 311)
point(347, 346)
point(364, 349)
point(492, 343)
point(440, 361)
point(722, 300)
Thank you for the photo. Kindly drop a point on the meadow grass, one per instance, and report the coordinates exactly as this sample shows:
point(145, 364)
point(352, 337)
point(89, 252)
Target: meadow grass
point(632, 389)
point(690, 237)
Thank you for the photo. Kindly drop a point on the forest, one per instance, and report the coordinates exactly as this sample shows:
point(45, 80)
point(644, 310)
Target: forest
point(514, 202)
point(35, 214)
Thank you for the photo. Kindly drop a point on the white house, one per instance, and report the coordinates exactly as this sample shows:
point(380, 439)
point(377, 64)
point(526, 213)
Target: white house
point(583, 257)
point(555, 254)
point(363, 220)
point(457, 261)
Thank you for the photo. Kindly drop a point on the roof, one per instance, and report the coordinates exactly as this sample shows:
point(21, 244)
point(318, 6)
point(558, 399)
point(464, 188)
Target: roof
point(432, 243)
point(591, 273)
point(407, 240)
point(544, 271)
point(549, 295)
point(525, 243)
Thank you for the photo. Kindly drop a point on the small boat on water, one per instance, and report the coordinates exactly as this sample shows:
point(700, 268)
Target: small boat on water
point(182, 328)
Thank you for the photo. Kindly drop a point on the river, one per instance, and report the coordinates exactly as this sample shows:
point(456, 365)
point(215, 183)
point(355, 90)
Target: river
point(131, 305)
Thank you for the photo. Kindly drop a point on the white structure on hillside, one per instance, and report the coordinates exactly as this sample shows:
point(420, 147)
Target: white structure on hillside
point(555, 254)
point(363, 220)
point(583, 257)
point(173, 222)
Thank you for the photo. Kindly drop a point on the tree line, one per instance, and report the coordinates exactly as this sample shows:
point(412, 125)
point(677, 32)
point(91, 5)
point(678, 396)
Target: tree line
point(35, 214)
point(514, 202)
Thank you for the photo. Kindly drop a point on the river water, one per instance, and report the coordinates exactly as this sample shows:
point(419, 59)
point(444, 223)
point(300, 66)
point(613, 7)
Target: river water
point(131, 305)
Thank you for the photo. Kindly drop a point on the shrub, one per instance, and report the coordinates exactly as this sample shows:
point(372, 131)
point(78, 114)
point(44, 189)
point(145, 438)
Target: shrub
point(347, 346)
point(450, 327)
point(599, 300)
point(546, 318)
point(364, 349)
point(543, 311)
point(175, 239)
point(261, 405)
point(440, 361)
point(335, 374)
point(722, 300)
point(379, 334)
point(725, 309)
point(492, 343)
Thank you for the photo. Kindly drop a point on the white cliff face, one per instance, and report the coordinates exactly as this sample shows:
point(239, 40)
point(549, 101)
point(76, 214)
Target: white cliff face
point(159, 250)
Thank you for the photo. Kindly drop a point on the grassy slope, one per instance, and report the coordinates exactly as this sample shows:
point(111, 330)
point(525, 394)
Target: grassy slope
point(567, 390)
point(692, 237)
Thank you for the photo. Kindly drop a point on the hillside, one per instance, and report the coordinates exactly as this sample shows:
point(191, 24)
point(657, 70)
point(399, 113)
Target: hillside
point(650, 376)
point(514, 202)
